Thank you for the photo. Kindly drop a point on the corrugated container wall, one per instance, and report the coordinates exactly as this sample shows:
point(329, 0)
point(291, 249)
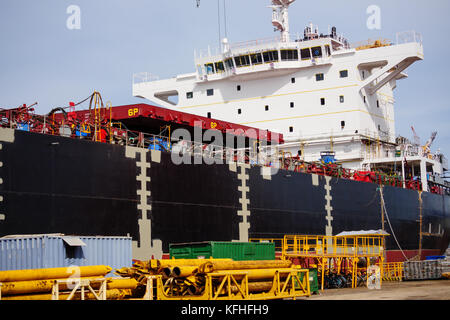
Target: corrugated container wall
point(222, 249)
point(49, 251)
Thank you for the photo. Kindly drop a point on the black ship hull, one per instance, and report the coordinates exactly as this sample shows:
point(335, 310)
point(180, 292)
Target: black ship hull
point(53, 184)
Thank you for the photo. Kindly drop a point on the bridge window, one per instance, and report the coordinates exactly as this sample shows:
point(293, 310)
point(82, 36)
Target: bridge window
point(219, 67)
point(242, 61)
point(316, 52)
point(289, 54)
point(256, 58)
point(327, 50)
point(343, 73)
point(305, 54)
point(210, 92)
point(209, 68)
point(319, 76)
point(229, 63)
point(270, 56)
point(189, 95)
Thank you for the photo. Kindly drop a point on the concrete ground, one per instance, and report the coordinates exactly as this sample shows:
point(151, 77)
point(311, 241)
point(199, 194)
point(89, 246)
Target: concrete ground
point(391, 290)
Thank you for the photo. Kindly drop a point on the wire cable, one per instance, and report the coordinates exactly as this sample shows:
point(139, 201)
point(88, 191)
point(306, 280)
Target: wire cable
point(390, 226)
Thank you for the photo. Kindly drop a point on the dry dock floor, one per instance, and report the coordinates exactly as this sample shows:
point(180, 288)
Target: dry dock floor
point(391, 290)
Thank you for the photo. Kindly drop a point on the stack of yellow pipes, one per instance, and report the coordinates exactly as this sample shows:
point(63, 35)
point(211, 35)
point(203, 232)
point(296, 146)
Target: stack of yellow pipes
point(188, 276)
point(37, 284)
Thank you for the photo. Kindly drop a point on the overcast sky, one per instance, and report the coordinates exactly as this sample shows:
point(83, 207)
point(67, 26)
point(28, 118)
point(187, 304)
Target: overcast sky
point(42, 60)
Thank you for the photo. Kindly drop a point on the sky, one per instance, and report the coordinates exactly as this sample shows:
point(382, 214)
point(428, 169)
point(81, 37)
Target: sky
point(44, 61)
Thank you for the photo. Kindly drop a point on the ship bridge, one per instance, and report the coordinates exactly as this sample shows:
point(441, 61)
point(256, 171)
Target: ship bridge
point(269, 57)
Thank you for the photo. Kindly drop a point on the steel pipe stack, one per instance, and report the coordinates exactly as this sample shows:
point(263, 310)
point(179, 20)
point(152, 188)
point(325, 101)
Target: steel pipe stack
point(187, 277)
point(37, 284)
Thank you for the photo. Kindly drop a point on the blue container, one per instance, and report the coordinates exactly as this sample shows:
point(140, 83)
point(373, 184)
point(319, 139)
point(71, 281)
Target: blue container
point(57, 250)
point(434, 257)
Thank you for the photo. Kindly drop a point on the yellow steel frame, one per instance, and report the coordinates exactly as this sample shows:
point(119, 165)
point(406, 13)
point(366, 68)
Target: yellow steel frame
point(218, 286)
point(392, 271)
point(337, 249)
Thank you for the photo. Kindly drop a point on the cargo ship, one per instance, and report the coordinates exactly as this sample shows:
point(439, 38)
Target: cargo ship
point(267, 138)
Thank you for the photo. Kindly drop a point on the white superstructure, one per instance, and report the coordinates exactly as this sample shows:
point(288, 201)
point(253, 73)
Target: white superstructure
point(322, 93)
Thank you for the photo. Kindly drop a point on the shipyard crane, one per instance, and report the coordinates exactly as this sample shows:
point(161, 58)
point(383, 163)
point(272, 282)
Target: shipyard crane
point(416, 137)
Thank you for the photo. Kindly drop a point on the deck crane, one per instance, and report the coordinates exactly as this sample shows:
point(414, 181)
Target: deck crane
point(427, 145)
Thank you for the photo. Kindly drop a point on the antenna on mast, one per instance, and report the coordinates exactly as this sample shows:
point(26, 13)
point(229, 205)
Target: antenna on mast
point(280, 18)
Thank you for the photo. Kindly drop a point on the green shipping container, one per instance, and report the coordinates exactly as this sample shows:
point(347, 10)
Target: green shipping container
point(238, 251)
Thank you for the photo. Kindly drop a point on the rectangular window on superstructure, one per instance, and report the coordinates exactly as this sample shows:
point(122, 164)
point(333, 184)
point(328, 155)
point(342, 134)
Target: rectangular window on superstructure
point(239, 111)
point(289, 54)
point(305, 54)
point(242, 61)
point(219, 67)
point(292, 104)
point(316, 52)
point(291, 129)
point(189, 95)
point(208, 115)
point(270, 56)
point(266, 108)
point(256, 58)
point(342, 124)
point(341, 99)
point(319, 76)
point(378, 104)
point(343, 73)
point(209, 68)
point(322, 101)
point(238, 87)
point(210, 92)
point(327, 50)
point(229, 63)
point(292, 80)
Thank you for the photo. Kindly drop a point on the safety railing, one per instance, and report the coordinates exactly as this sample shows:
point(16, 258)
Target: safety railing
point(392, 271)
point(328, 246)
point(408, 37)
point(142, 77)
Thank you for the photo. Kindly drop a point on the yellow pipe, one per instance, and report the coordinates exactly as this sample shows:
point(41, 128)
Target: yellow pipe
point(235, 265)
point(163, 263)
point(184, 271)
point(259, 286)
point(53, 273)
point(36, 286)
point(113, 294)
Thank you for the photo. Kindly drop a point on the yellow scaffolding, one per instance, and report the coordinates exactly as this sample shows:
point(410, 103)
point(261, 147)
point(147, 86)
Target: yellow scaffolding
point(340, 252)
